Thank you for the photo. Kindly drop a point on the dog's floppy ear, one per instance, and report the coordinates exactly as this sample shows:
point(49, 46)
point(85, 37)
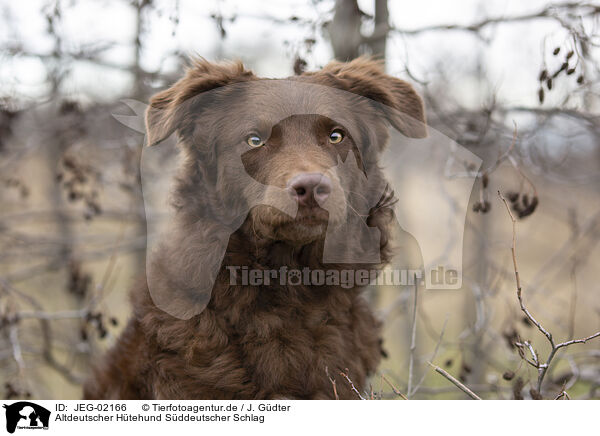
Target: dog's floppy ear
point(398, 100)
point(171, 110)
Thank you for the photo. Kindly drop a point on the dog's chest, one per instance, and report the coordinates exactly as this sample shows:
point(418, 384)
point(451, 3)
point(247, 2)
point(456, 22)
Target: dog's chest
point(292, 350)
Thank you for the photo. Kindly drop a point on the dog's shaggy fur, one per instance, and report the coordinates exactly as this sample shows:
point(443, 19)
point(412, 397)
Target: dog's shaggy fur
point(259, 342)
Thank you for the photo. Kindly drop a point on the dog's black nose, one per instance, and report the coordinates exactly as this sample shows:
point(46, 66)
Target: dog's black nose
point(310, 189)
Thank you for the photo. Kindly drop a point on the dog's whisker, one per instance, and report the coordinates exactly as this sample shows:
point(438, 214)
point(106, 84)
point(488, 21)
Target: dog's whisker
point(348, 191)
point(357, 212)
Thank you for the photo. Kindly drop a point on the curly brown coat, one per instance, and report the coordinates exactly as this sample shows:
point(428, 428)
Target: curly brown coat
point(256, 342)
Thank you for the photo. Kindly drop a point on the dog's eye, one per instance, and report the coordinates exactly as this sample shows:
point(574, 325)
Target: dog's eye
point(336, 136)
point(255, 141)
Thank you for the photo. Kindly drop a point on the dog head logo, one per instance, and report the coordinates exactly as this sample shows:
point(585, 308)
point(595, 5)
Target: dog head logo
point(26, 415)
point(299, 161)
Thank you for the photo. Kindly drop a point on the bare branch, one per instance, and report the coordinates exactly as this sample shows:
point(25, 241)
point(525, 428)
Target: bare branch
point(333, 385)
point(396, 390)
point(550, 12)
point(542, 367)
point(345, 375)
point(454, 381)
point(413, 340)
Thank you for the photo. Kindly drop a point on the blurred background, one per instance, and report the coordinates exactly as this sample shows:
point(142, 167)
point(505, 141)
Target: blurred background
point(514, 82)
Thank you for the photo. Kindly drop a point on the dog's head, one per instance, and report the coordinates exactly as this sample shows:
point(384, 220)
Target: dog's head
point(300, 154)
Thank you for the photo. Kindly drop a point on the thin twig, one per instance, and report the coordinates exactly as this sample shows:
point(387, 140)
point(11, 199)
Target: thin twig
point(433, 356)
point(345, 375)
point(13, 335)
point(413, 340)
point(536, 361)
point(577, 341)
point(66, 314)
point(517, 277)
point(456, 383)
point(332, 380)
point(396, 390)
point(549, 12)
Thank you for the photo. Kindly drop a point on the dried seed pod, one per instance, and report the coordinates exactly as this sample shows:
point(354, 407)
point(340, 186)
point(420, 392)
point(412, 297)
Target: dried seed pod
point(543, 75)
point(448, 363)
point(570, 54)
point(114, 322)
point(512, 196)
point(508, 375)
point(69, 163)
point(541, 95)
point(529, 209)
point(556, 51)
point(570, 71)
point(69, 106)
point(299, 66)
point(511, 336)
point(549, 84)
point(94, 317)
point(580, 80)
point(485, 180)
point(467, 368)
point(485, 207)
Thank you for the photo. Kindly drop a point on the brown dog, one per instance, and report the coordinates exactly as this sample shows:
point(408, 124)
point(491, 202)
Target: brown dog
point(247, 142)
